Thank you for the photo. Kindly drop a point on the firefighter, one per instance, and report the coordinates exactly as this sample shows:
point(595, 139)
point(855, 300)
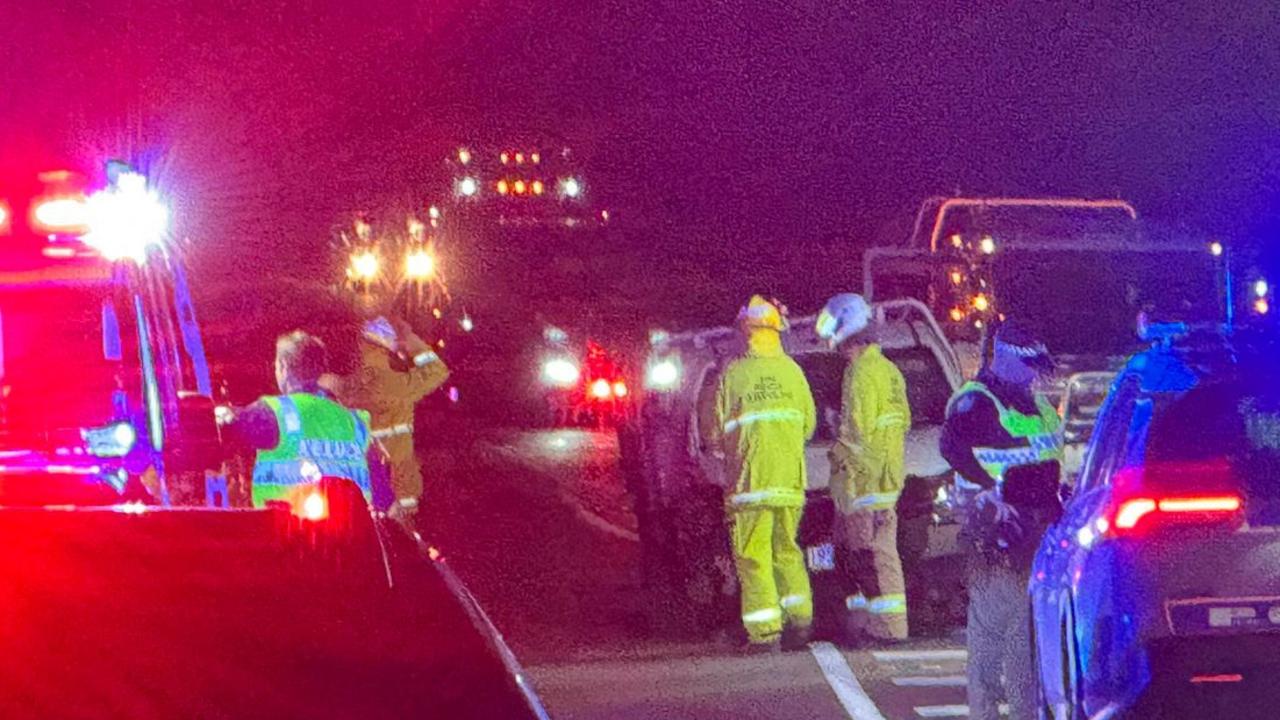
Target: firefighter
point(394, 370)
point(764, 415)
point(303, 434)
point(1004, 443)
point(868, 471)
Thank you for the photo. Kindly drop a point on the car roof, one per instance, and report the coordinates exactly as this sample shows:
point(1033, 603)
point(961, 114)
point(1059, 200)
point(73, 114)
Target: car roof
point(897, 331)
point(1179, 364)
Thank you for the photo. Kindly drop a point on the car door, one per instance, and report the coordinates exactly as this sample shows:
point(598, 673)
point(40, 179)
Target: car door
point(1050, 587)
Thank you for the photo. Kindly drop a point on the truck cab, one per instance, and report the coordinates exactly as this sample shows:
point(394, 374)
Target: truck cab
point(105, 394)
point(678, 480)
point(1080, 272)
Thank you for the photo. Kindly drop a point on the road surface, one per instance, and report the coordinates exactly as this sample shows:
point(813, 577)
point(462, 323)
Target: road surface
point(537, 524)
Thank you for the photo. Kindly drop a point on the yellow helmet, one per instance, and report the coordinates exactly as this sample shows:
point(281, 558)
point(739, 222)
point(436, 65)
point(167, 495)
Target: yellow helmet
point(762, 314)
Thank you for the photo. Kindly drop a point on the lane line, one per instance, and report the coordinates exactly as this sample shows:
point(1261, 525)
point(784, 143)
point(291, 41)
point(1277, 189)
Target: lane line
point(947, 711)
point(855, 701)
point(932, 681)
point(942, 711)
point(906, 655)
point(594, 520)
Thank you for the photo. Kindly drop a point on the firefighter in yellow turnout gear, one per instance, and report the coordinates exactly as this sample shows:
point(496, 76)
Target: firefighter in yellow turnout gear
point(396, 369)
point(868, 471)
point(764, 416)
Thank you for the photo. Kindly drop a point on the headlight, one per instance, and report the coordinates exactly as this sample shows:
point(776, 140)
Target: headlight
point(663, 375)
point(560, 372)
point(115, 440)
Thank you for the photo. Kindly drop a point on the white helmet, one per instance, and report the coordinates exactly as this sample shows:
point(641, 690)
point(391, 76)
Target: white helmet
point(844, 316)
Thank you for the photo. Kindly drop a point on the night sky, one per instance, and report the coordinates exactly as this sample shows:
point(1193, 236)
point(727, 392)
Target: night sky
point(742, 143)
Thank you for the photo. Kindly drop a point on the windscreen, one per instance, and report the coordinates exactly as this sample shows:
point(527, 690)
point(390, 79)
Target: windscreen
point(64, 351)
point(927, 387)
point(1235, 422)
point(1087, 303)
point(175, 615)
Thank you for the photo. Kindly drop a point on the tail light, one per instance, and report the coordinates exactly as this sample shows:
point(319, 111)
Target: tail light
point(1151, 497)
point(601, 389)
point(1137, 515)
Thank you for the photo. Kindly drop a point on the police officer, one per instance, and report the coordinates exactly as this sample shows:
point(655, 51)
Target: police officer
point(764, 415)
point(1003, 441)
point(868, 469)
point(395, 369)
point(303, 434)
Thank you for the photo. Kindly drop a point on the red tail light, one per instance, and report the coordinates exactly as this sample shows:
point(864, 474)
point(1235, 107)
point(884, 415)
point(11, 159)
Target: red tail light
point(1137, 514)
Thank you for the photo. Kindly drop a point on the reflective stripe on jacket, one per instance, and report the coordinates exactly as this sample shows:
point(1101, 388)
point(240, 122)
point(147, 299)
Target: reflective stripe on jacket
point(1039, 437)
point(764, 416)
point(868, 463)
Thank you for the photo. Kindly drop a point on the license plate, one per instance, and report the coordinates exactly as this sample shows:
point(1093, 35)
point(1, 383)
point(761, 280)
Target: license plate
point(1224, 615)
point(821, 558)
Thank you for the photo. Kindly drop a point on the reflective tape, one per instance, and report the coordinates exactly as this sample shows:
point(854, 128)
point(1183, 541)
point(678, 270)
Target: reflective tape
point(856, 602)
point(762, 616)
point(874, 501)
point(789, 415)
point(401, 429)
point(793, 600)
point(891, 604)
point(425, 358)
point(889, 420)
point(748, 498)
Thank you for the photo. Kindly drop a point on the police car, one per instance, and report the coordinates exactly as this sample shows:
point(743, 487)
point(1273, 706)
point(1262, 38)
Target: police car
point(316, 609)
point(677, 480)
point(105, 393)
point(1157, 593)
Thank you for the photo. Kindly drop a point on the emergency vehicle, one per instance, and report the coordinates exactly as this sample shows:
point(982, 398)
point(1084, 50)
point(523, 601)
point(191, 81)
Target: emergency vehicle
point(524, 225)
point(584, 384)
point(105, 393)
point(1079, 272)
point(678, 481)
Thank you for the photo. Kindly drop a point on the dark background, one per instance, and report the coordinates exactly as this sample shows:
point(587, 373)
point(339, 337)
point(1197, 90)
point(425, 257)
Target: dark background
point(744, 145)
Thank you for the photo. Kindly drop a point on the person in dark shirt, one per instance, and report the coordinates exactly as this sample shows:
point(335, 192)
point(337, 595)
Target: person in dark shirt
point(1004, 442)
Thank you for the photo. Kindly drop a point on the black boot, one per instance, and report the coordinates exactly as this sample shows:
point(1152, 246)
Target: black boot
point(796, 637)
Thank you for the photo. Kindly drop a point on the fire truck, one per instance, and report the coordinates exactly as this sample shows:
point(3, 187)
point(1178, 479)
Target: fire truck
point(1081, 272)
point(105, 392)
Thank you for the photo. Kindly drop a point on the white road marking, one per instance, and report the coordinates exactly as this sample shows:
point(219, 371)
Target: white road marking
point(908, 655)
point(943, 711)
point(947, 711)
point(931, 681)
point(857, 704)
point(596, 521)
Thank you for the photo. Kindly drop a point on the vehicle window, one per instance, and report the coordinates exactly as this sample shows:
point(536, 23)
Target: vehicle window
point(927, 387)
point(64, 352)
point(706, 407)
point(1106, 449)
point(825, 373)
point(1237, 421)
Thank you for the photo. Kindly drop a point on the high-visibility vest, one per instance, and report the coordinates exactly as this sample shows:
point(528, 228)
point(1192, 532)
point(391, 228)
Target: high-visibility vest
point(1039, 437)
point(318, 438)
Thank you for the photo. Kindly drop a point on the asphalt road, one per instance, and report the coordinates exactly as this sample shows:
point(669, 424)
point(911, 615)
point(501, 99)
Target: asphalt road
point(537, 524)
